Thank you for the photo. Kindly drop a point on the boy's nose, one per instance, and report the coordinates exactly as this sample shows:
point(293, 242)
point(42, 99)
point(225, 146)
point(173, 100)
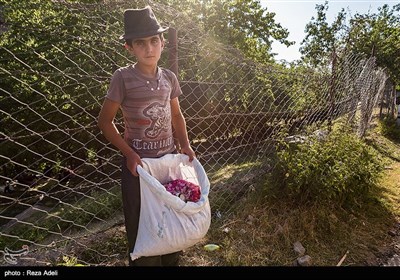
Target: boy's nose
point(149, 45)
point(148, 48)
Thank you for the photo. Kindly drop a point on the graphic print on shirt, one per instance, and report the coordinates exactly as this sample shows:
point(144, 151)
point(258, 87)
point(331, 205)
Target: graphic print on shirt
point(160, 116)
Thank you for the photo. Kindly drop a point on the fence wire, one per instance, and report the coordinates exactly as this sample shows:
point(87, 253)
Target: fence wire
point(59, 177)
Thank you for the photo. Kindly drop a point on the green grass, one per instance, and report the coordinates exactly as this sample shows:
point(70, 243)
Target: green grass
point(64, 219)
point(266, 223)
point(259, 223)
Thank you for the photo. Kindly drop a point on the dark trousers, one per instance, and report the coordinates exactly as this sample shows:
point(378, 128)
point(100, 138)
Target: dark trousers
point(131, 203)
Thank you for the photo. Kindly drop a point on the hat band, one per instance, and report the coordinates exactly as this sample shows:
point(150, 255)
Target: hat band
point(143, 33)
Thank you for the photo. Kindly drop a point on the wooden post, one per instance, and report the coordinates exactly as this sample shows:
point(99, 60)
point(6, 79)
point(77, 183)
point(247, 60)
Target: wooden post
point(332, 91)
point(173, 50)
point(383, 101)
point(393, 111)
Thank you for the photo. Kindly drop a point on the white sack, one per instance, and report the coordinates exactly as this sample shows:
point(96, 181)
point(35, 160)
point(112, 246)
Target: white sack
point(166, 223)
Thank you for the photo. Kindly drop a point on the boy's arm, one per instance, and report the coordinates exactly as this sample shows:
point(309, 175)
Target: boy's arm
point(179, 124)
point(111, 133)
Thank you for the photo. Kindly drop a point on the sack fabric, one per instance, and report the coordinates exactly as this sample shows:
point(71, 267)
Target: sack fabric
point(166, 223)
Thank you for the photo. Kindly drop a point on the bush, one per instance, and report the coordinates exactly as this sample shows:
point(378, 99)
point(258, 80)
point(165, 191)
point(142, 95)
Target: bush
point(338, 168)
point(390, 129)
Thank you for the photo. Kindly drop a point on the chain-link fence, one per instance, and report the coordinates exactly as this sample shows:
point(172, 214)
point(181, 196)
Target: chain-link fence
point(59, 177)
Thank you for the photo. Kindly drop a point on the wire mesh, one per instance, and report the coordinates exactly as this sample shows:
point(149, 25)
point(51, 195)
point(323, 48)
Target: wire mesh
point(60, 178)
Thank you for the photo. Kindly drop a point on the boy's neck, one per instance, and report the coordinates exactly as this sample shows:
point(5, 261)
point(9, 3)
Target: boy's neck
point(148, 71)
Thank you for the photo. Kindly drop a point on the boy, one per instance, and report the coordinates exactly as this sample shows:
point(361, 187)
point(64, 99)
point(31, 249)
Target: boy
point(148, 98)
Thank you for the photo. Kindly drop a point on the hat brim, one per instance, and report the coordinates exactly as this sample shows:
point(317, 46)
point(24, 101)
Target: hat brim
point(144, 34)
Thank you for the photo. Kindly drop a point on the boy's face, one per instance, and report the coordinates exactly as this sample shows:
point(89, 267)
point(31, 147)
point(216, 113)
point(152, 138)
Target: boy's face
point(147, 50)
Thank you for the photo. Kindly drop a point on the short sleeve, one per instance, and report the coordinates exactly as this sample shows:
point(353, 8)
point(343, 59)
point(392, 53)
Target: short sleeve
point(176, 88)
point(116, 90)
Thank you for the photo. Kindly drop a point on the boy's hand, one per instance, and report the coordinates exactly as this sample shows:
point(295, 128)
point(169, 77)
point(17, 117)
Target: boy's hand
point(189, 152)
point(132, 161)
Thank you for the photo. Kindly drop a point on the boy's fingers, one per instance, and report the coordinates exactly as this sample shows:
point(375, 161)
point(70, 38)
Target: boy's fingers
point(134, 172)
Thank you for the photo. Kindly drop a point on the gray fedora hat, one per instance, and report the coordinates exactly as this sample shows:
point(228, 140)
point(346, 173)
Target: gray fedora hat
point(140, 23)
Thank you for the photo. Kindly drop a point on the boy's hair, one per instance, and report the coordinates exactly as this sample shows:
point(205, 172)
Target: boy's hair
point(129, 42)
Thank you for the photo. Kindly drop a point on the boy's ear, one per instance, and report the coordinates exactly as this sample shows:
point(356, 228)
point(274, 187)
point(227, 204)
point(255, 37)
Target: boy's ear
point(129, 48)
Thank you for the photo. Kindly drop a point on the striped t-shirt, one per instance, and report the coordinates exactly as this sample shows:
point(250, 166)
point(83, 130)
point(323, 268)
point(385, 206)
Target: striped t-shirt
point(145, 105)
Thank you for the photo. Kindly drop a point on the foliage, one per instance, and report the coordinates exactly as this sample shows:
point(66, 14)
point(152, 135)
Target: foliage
point(322, 40)
point(264, 225)
point(378, 35)
point(338, 168)
point(50, 84)
point(67, 217)
point(296, 88)
point(70, 261)
point(390, 129)
point(375, 35)
point(243, 24)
